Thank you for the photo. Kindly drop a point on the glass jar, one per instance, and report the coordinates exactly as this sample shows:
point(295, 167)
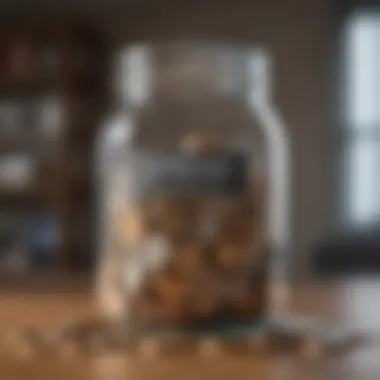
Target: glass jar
point(193, 188)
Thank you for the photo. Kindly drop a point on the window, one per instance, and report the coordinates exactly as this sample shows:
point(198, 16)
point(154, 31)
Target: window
point(361, 120)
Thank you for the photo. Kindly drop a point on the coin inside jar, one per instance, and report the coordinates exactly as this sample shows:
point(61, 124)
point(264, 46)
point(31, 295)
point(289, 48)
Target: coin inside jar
point(169, 287)
point(204, 295)
point(189, 259)
point(132, 226)
point(174, 216)
point(201, 144)
point(232, 256)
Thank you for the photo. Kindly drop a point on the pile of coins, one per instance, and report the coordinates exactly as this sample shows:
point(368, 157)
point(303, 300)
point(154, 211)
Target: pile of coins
point(102, 337)
point(216, 265)
point(213, 268)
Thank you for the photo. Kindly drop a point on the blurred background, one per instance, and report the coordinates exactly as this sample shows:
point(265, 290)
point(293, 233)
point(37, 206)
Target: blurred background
point(55, 69)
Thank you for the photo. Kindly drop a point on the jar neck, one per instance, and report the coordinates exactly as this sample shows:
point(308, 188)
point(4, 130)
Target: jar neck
point(190, 73)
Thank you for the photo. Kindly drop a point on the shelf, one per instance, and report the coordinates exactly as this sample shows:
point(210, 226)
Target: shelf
point(75, 81)
point(21, 199)
point(37, 193)
point(35, 85)
point(46, 280)
point(28, 143)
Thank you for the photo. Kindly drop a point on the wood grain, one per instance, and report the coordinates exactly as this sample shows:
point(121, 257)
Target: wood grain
point(354, 303)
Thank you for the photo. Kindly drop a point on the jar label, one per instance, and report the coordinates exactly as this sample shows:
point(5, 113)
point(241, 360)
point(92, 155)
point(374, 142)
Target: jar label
point(183, 174)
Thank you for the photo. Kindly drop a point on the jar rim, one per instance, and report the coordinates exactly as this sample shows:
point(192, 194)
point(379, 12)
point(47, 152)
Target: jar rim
point(212, 44)
point(191, 68)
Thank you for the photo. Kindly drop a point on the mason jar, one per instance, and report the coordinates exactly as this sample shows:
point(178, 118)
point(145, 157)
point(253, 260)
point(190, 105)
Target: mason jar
point(193, 169)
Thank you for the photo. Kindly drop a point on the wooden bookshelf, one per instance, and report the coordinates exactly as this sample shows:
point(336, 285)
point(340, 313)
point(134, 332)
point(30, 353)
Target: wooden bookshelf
point(66, 65)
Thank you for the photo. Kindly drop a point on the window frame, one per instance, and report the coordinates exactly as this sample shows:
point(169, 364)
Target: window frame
point(342, 133)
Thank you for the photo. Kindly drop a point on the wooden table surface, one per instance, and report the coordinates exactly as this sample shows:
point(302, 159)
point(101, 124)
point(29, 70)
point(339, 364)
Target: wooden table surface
point(355, 303)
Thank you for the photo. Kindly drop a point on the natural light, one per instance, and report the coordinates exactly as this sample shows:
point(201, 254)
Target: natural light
point(361, 120)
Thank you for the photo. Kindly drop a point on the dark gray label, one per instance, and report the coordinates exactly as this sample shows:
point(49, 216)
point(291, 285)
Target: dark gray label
point(188, 175)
